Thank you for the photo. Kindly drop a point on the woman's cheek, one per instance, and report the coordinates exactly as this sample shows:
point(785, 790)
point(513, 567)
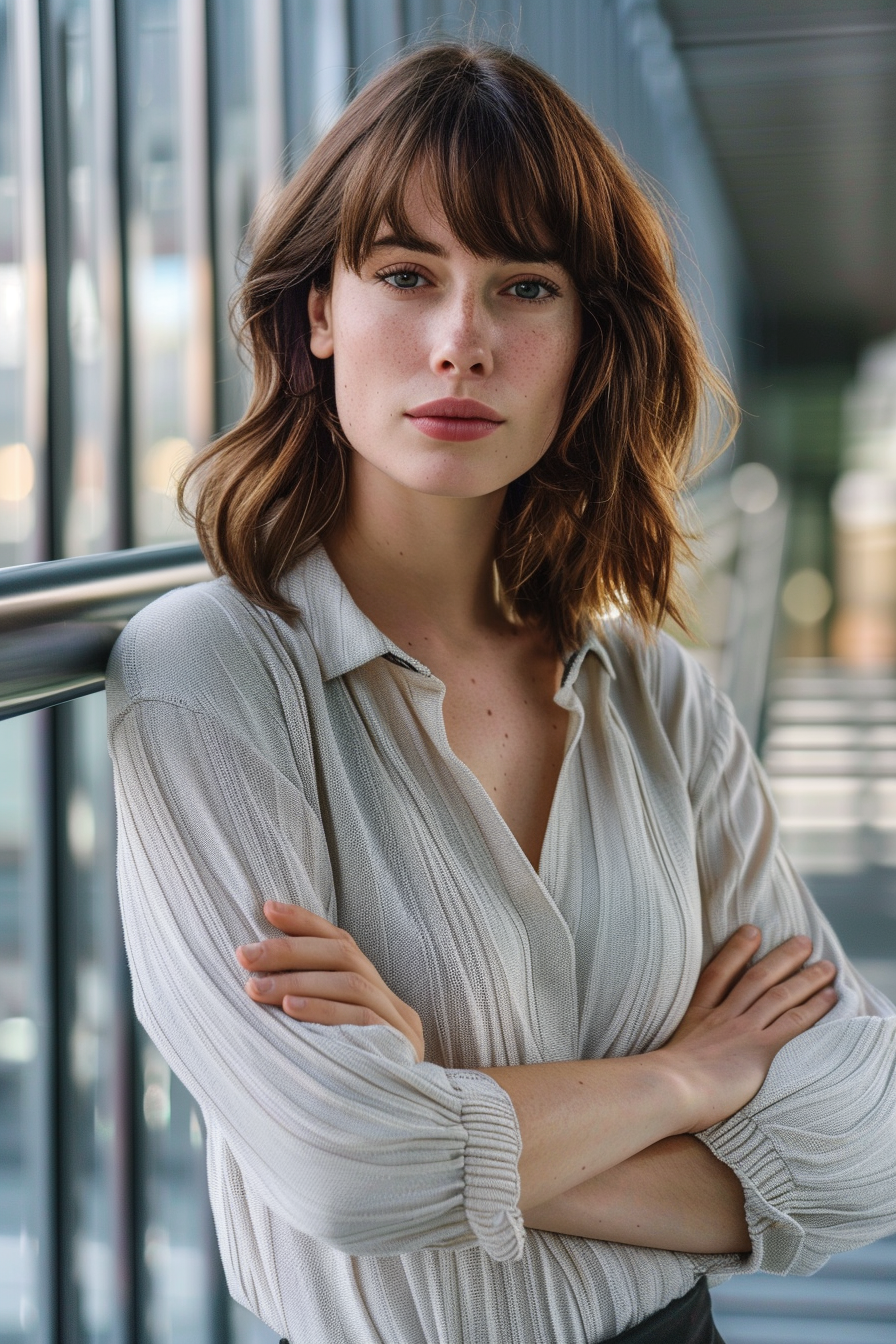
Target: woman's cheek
point(543, 363)
point(392, 343)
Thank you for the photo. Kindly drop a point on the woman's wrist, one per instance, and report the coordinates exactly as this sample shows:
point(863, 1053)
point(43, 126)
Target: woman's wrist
point(683, 1100)
point(686, 1086)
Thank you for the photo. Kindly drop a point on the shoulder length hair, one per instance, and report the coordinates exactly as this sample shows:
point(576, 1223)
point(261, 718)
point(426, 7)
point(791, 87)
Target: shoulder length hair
point(520, 172)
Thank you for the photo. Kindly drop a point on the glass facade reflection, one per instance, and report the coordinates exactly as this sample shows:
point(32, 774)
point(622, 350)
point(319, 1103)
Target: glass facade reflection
point(136, 139)
point(93, 288)
point(168, 266)
point(23, 338)
point(26, 1019)
point(182, 1295)
point(93, 1037)
point(235, 126)
point(24, 1041)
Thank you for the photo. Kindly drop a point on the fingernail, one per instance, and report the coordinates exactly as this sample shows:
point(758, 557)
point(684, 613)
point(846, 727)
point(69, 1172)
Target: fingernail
point(263, 984)
point(251, 951)
point(277, 905)
point(291, 1001)
point(750, 930)
point(826, 966)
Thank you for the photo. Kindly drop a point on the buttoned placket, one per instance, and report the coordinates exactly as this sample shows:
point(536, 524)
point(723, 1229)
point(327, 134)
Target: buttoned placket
point(555, 1015)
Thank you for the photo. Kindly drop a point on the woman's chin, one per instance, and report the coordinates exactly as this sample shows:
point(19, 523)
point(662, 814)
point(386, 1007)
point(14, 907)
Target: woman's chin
point(444, 475)
point(453, 485)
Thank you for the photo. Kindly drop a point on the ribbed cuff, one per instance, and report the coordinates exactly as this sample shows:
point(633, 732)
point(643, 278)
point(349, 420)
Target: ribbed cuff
point(491, 1164)
point(768, 1191)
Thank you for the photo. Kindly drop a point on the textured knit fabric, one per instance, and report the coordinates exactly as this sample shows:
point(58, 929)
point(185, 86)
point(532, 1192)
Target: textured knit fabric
point(360, 1196)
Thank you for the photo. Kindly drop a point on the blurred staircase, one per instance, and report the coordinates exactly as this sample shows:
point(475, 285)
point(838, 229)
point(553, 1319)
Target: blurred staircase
point(852, 1300)
point(830, 753)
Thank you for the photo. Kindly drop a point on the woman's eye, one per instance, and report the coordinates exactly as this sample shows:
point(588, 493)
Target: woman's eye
point(529, 289)
point(403, 279)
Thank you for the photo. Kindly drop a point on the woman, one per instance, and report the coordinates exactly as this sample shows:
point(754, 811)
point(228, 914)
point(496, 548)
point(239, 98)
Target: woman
point(471, 835)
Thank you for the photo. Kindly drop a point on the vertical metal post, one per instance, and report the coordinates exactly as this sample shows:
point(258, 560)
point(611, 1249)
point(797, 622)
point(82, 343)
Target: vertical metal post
point(193, 100)
point(126, 1193)
point(56, 168)
point(124, 500)
point(38, 887)
point(375, 30)
point(330, 64)
point(267, 71)
point(34, 255)
point(109, 248)
point(40, 942)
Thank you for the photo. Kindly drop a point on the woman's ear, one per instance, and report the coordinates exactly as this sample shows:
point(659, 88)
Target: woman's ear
point(320, 322)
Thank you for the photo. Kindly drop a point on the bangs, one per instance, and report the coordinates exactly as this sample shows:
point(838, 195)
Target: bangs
point(495, 169)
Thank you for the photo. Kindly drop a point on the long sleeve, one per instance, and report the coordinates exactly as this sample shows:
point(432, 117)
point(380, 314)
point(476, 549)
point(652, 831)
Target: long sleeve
point(814, 1148)
point(338, 1130)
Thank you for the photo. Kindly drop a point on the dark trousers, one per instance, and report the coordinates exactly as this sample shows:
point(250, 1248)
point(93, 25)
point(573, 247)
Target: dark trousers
point(687, 1320)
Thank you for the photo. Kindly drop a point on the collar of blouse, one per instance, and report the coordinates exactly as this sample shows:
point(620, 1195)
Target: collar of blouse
point(345, 639)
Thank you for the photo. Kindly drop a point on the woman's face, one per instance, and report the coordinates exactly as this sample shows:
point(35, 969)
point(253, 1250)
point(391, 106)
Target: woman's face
point(425, 321)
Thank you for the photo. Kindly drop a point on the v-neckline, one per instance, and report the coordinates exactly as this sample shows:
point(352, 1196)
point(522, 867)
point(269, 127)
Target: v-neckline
point(575, 723)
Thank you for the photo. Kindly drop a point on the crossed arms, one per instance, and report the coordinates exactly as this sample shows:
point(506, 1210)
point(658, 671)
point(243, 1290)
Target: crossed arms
point(324, 1124)
point(608, 1151)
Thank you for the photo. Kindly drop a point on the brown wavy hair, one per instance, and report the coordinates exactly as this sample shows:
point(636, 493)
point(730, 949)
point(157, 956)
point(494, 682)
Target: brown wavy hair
point(520, 172)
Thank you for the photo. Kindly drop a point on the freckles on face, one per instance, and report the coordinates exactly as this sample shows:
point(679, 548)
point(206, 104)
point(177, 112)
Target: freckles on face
point(429, 324)
point(376, 351)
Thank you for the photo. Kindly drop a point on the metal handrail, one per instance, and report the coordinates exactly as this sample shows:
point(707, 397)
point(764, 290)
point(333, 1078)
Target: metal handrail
point(59, 620)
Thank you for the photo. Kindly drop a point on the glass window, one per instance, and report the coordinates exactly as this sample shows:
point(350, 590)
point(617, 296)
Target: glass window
point(23, 1054)
point(92, 490)
point(279, 74)
point(171, 391)
point(95, 994)
point(22, 289)
point(183, 1295)
point(236, 172)
point(168, 267)
point(25, 1045)
point(316, 42)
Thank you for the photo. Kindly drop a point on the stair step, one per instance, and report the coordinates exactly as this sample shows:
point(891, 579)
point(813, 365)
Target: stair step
point(764, 1330)
point(862, 1299)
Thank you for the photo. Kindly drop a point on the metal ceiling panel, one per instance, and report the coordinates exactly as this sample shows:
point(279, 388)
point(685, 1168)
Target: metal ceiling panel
point(798, 99)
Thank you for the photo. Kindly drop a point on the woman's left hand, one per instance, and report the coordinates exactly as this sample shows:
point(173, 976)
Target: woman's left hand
point(317, 973)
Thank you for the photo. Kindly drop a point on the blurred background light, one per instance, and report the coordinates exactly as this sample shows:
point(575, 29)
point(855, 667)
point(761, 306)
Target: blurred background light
point(18, 1040)
point(754, 487)
point(807, 597)
point(16, 473)
point(163, 464)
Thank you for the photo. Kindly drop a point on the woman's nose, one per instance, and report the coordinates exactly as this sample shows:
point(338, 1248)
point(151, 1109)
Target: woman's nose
point(461, 344)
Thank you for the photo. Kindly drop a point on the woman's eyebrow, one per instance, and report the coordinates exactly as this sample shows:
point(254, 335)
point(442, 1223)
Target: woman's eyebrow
point(410, 243)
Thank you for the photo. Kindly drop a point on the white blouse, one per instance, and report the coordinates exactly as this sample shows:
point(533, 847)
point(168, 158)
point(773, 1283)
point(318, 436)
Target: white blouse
point(360, 1196)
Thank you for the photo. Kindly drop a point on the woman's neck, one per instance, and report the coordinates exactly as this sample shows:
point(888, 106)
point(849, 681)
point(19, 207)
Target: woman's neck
point(415, 561)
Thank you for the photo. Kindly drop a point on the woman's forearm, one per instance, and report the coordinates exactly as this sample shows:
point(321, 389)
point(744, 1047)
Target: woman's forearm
point(578, 1118)
point(674, 1196)
point(581, 1118)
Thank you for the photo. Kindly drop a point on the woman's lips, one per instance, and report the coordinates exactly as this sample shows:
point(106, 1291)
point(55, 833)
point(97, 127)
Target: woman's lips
point(455, 419)
point(455, 429)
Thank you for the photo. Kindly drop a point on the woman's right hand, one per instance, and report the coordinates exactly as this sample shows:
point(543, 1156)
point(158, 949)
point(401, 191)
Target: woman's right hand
point(318, 974)
point(738, 1020)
